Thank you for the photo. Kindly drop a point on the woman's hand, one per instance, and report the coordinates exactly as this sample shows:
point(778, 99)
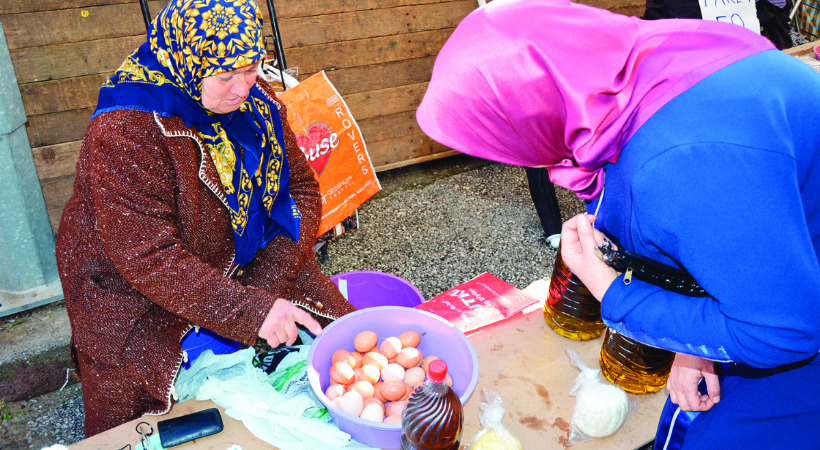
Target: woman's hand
point(578, 242)
point(279, 326)
point(687, 371)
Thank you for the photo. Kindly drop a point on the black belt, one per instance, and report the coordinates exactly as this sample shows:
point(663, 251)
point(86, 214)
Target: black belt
point(649, 270)
point(746, 371)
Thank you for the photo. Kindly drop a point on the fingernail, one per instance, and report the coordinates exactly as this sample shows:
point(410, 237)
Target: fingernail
point(716, 398)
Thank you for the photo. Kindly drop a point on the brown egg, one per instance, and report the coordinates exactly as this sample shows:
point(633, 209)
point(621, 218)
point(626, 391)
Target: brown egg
point(369, 373)
point(334, 391)
point(377, 391)
point(394, 408)
point(375, 359)
point(427, 361)
point(365, 341)
point(408, 392)
point(342, 373)
point(357, 357)
point(414, 376)
point(393, 390)
point(344, 356)
point(364, 388)
point(352, 402)
point(373, 413)
point(390, 347)
point(372, 400)
point(410, 339)
point(409, 357)
point(392, 419)
point(393, 372)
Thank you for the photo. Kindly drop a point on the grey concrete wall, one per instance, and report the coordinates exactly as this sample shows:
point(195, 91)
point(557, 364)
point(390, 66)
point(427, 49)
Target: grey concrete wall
point(28, 266)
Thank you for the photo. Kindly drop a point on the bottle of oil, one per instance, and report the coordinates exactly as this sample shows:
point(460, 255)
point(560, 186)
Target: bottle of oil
point(570, 309)
point(636, 367)
point(433, 415)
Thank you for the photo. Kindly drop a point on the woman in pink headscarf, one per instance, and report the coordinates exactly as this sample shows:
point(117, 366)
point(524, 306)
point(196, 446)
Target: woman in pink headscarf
point(694, 142)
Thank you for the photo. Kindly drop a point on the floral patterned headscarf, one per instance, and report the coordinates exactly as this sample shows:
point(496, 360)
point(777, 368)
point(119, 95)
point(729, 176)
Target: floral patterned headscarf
point(188, 41)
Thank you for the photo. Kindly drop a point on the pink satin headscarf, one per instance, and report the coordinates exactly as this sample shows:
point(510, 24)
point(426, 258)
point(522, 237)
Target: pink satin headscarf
point(565, 85)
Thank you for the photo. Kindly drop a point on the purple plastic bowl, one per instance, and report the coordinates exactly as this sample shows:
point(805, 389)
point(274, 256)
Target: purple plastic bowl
point(438, 337)
point(369, 288)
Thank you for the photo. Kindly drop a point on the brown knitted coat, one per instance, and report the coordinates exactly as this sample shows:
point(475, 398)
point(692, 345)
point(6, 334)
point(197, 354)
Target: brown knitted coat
point(145, 249)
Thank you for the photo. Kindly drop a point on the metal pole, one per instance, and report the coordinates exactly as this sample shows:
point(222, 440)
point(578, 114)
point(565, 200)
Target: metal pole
point(794, 9)
point(280, 52)
point(146, 15)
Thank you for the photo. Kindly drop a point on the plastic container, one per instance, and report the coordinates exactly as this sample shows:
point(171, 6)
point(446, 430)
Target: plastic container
point(433, 416)
point(439, 338)
point(368, 288)
point(634, 366)
point(363, 289)
point(200, 339)
point(570, 309)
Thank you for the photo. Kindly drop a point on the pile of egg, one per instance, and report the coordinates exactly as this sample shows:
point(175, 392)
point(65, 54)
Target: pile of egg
point(373, 381)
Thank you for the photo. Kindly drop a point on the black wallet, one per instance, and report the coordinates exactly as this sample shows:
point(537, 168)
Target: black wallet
point(189, 427)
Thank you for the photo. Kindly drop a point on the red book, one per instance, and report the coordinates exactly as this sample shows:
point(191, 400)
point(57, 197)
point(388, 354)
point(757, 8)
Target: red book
point(482, 301)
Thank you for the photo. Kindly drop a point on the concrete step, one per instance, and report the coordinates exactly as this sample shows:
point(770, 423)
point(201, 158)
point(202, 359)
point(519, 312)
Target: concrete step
point(34, 352)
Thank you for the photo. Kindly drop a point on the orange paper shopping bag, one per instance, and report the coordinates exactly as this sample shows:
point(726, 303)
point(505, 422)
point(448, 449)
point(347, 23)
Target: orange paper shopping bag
point(333, 145)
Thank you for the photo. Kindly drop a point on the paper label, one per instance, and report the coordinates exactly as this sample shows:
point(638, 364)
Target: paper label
point(738, 12)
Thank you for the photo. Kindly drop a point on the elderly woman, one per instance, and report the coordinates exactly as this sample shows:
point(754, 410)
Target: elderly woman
point(192, 207)
point(697, 144)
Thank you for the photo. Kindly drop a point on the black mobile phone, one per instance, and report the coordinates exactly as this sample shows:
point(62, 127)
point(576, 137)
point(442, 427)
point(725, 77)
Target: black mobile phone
point(189, 427)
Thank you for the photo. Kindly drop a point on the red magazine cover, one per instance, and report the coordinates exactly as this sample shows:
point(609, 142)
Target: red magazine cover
point(482, 301)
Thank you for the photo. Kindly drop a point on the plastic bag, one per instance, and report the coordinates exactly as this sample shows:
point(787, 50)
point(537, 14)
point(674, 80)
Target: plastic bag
point(279, 80)
point(278, 408)
point(601, 408)
point(492, 435)
point(333, 145)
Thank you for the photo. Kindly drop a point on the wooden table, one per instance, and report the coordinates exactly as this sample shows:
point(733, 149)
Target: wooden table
point(521, 359)
point(803, 50)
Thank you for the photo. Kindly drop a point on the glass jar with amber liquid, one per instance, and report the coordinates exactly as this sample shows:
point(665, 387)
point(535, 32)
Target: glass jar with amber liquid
point(634, 366)
point(570, 309)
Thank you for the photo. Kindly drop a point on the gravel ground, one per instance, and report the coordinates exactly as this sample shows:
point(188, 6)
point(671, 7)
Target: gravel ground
point(436, 225)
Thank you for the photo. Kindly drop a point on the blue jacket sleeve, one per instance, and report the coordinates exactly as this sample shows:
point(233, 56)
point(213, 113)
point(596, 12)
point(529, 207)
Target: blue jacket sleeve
point(734, 218)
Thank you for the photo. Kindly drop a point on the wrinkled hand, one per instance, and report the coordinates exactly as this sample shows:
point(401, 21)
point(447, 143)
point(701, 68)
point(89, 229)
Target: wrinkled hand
point(279, 326)
point(687, 371)
point(578, 242)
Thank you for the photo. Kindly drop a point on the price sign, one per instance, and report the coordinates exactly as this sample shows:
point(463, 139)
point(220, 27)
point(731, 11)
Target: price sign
point(738, 12)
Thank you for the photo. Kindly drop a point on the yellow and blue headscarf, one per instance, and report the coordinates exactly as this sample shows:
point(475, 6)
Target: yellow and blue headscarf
point(193, 39)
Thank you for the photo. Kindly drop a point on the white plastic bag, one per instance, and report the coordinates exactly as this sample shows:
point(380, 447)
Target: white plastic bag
point(273, 75)
point(601, 408)
point(293, 418)
point(492, 435)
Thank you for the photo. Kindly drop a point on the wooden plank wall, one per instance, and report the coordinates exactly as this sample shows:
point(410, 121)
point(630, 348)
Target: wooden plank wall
point(378, 53)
